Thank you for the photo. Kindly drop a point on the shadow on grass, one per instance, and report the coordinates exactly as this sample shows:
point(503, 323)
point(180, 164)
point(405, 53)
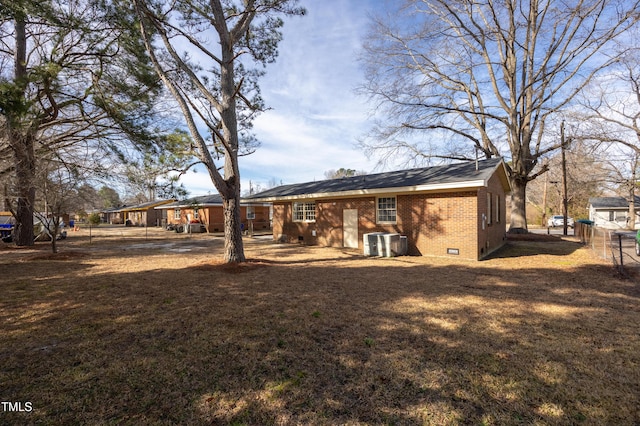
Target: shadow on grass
point(516, 248)
point(354, 342)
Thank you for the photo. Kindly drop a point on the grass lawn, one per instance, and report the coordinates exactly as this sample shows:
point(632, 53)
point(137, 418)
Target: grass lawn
point(154, 331)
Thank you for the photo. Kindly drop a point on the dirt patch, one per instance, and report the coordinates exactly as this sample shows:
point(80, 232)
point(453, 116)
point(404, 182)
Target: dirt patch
point(544, 333)
point(64, 255)
point(232, 267)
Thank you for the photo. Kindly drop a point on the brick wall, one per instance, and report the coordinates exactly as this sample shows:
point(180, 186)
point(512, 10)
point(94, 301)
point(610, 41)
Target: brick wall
point(433, 223)
point(286, 230)
point(213, 217)
point(493, 235)
point(436, 223)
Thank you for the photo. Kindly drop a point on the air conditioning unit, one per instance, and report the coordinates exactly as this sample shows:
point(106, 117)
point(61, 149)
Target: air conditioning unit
point(390, 245)
point(384, 244)
point(404, 246)
point(371, 242)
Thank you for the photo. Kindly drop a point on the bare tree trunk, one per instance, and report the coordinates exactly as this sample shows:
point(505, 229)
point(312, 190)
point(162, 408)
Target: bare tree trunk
point(22, 143)
point(26, 192)
point(518, 207)
point(233, 245)
point(54, 234)
point(234, 248)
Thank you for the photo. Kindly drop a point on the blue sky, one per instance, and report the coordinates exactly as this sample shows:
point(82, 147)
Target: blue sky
point(315, 117)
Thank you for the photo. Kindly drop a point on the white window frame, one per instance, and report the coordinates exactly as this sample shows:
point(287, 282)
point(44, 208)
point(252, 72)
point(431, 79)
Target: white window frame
point(497, 208)
point(176, 214)
point(304, 211)
point(489, 209)
point(388, 209)
point(196, 214)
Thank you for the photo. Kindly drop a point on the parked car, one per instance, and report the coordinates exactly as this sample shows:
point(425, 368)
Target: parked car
point(558, 220)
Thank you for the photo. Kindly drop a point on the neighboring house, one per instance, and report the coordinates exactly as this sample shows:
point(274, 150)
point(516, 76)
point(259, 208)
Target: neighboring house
point(144, 214)
point(612, 212)
point(112, 216)
point(453, 210)
point(207, 210)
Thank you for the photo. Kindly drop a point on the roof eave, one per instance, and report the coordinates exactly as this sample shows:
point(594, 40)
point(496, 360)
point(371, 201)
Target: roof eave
point(189, 206)
point(504, 177)
point(444, 187)
point(243, 203)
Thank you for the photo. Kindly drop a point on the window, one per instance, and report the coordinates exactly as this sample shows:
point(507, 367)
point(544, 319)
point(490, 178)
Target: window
point(196, 214)
point(176, 214)
point(304, 212)
point(386, 210)
point(498, 218)
point(489, 206)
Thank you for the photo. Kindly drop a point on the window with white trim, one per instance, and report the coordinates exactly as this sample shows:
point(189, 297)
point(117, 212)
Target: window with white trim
point(176, 214)
point(386, 210)
point(497, 208)
point(489, 202)
point(196, 213)
point(304, 212)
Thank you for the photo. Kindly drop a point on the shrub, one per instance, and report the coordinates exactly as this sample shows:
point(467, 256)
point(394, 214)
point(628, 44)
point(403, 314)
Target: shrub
point(94, 219)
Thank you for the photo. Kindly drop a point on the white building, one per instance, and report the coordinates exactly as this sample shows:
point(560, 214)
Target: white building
point(612, 212)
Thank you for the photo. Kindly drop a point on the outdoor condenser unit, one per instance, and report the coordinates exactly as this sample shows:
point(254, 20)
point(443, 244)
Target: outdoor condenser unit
point(371, 244)
point(404, 246)
point(390, 245)
point(382, 244)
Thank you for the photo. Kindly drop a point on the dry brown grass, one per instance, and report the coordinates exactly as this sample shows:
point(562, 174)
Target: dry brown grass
point(156, 331)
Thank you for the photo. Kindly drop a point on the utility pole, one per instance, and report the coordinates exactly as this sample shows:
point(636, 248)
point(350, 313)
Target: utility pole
point(564, 180)
point(544, 200)
point(631, 222)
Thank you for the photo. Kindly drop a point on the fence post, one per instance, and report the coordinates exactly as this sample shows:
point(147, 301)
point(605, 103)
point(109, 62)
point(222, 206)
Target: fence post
point(620, 247)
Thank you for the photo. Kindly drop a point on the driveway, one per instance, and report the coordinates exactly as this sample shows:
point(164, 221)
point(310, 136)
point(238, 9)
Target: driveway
point(551, 231)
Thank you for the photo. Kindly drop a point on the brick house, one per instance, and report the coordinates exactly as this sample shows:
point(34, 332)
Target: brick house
point(453, 210)
point(207, 210)
point(143, 214)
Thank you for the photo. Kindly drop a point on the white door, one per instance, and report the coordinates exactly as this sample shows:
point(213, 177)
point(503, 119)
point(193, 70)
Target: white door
point(350, 227)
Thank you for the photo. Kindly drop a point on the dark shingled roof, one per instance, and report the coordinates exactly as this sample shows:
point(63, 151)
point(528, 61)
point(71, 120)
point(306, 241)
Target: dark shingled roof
point(203, 200)
point(612, 202)
point(133, 207)
point(439, 175)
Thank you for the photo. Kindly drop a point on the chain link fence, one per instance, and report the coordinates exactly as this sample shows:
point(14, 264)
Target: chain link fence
point(618, 246)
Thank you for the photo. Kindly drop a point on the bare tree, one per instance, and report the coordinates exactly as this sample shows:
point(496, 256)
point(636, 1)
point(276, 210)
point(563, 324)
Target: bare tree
point(612, 117)
point(216, 92)
point(451, 79)
point(342, 172)
point(587, 176)
point(57, 190)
